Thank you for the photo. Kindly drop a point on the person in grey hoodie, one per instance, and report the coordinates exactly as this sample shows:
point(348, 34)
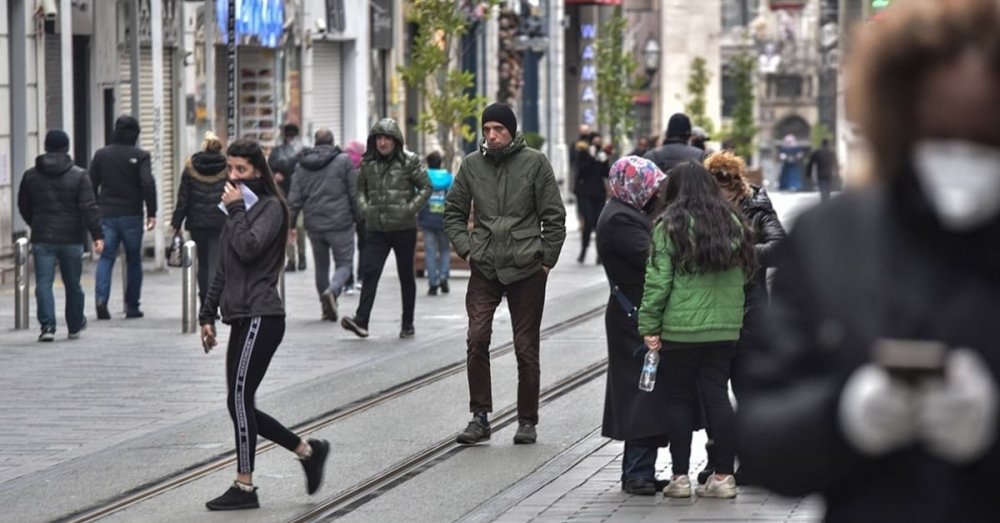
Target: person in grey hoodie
point(324, 189)
point(245, 290)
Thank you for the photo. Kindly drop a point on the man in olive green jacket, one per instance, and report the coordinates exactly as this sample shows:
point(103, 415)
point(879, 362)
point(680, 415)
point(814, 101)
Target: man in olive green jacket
point(520, 226)
point(392, 187)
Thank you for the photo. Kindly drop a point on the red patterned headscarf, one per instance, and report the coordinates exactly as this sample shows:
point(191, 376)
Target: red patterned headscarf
point(634, 180)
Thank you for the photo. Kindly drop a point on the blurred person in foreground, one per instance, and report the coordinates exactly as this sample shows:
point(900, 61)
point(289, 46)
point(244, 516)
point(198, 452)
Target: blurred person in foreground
point(623, 230)
point(879, 390)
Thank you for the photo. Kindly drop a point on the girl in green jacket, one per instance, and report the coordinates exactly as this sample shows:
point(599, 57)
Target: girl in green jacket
point(692, 308)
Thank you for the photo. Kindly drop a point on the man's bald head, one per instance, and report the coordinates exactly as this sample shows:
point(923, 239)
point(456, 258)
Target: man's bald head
point(323, 136)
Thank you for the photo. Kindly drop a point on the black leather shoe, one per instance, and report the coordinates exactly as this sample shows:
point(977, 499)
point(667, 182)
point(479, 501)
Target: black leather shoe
point(475, 432)
point(102, 311)
point(407, 332)
point(134, 314)
point(314, 464)
point(290, 267)
point(525, 435)
point(444, 287)
point(302, 264)
point(433, 291)
point(640, 487)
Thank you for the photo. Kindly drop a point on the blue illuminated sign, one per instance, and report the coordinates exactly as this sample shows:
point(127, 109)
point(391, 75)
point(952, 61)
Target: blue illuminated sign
point(261, 20)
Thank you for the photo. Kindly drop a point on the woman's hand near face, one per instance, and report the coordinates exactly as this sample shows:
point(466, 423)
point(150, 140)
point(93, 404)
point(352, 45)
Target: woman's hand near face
point(231, 193)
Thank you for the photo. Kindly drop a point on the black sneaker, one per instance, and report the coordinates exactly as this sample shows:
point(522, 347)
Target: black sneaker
point(313, 465)
point(234, 499)
point(290, 267)
point(329, 302)
point(102, 311)
point(302, 263)
point(352, 325)
point(444, 287)
point(475, 432)
point(48, 334)
point(134, 314)
point(407, 332)
point(433, 291)
point(76, 335)
point(525, 434)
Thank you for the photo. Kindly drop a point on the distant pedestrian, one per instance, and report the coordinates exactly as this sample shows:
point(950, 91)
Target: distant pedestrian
point(245, 289)
point(392, 188)
point(121, 176)
point(675, 148)
point(879, 389)
point(593, 164)
point(824, 160)
point(518, 231)
point(356, 150)
point(282, 161)
point(437, 252)
point(56, 200)
point(790, 155)
point(324, 190)
point(623, 232)
point(699, 139)
point(692, 308)
point(197, 209)
point(641, 147)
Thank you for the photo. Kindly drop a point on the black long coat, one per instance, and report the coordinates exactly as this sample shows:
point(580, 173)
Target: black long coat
point(623, 244)
point(868, 266)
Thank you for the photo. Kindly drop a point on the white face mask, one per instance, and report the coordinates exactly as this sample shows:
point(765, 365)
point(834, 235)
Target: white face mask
point(961, 180)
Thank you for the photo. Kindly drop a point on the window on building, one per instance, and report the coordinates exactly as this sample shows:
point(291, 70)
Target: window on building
point(786, 85)
point(738, 13)
point(728, 93)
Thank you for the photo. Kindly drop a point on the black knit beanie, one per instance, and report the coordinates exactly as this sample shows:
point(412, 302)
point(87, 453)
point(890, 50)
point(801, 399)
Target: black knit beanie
point(502, 114)
point(679, 126)
point(56, 141)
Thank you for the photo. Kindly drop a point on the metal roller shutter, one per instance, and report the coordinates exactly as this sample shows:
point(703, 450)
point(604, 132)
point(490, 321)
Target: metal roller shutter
point(170, 176)
point(327, 88)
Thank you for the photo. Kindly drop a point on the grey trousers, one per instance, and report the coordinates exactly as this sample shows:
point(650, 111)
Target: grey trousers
point(341, 245)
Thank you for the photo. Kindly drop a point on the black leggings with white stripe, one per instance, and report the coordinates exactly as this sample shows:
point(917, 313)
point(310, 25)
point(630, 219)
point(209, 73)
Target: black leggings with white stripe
point(252, 343)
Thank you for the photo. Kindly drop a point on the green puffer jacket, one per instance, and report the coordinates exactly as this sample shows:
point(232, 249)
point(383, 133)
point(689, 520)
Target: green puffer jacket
point(689, 307)
point(520, 221)
point(391, 189)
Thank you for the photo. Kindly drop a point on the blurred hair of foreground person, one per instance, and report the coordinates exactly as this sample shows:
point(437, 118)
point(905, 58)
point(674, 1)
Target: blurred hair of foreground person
point(879, 387)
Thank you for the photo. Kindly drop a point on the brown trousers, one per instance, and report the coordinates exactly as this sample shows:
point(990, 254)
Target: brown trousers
point(525, 300)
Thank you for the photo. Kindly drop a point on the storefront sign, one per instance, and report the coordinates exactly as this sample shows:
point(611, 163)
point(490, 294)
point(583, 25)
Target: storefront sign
point(588, 74)
point(381, 18)
point(259, 22)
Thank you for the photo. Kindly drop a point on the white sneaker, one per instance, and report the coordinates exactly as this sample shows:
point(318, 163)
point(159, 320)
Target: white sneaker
point(679, 487)
point(718, 488)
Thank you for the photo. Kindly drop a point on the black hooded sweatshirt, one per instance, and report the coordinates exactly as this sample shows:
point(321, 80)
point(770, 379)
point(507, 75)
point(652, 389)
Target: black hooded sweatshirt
point(121, 175)
point(200, 192)
point(56, 200)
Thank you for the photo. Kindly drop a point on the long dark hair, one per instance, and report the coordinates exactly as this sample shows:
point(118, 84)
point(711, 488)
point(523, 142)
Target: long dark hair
point(708, 233)
point(252, 152)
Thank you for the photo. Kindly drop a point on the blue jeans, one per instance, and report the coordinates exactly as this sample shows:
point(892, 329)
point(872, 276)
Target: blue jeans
point(638, 462)
point(118, 229)
point(68, 255)
point(435, 246)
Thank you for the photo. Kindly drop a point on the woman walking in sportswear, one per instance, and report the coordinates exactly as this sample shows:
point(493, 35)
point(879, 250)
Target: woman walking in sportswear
point(253, 256)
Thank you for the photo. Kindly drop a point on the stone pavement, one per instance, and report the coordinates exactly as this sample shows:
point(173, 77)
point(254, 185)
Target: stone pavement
point(590, 491)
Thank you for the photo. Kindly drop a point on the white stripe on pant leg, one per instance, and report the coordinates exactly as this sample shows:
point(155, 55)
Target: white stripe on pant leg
point(245, 446)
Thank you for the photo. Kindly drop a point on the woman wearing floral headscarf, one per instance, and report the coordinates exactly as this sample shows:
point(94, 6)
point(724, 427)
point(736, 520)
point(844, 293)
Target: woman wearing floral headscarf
point(623, 232)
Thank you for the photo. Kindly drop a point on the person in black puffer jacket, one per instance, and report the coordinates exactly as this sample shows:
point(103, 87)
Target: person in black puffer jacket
point(729, 171)
point(57, 202)
point(198, 197)
point(122, 179)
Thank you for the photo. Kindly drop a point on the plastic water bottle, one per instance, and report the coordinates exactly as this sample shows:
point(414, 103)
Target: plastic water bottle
point(647, 380)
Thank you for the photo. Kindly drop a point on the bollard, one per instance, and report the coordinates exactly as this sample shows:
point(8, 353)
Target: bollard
point(22, 284)
point(189, 288)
